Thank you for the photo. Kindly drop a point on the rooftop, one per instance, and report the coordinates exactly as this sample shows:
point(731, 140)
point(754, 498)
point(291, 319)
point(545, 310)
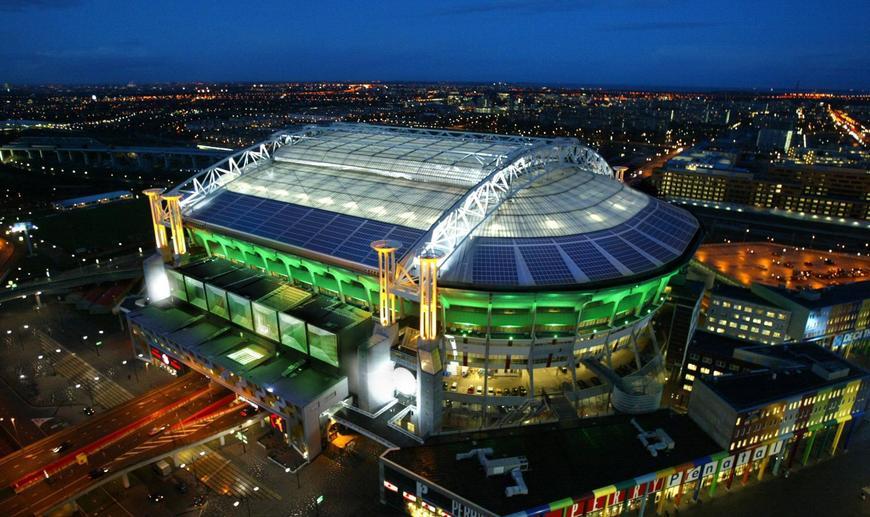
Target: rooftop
point(243, 353)
point(776, 264)
point(563, 461)
point(819, 298)
point(335, 189)
point(93, 198)
point(739, 293)
point(789, 370)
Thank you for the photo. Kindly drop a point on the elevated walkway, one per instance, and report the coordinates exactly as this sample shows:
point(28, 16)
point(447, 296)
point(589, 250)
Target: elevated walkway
point(377, 427)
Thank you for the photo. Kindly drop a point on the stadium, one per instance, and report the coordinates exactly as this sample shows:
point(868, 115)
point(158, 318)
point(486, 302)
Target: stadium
point(463, 280)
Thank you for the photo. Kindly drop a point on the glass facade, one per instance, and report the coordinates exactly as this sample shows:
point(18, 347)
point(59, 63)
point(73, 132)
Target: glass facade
point(196, 292)
point(324, 345)
point(265, 321)
point(217, 301)
point(176, 284)
point(293, 332)
point(240, 311)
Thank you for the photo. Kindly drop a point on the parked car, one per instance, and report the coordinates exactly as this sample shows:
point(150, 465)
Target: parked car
point(454, 386)
point(88, 410)
point(155, 497)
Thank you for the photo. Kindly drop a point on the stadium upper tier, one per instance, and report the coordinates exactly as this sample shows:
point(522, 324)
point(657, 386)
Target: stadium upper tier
point(523, 212)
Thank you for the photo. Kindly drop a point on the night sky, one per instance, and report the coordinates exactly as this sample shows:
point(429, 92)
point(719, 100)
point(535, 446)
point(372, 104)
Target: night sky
point(655, 43)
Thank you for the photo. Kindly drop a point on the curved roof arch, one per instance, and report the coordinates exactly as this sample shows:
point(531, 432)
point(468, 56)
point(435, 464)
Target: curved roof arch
point(519, 212)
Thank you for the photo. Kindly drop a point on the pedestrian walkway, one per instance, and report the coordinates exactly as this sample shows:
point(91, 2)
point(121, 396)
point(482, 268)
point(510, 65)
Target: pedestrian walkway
point(221, 475)
point(104, 391)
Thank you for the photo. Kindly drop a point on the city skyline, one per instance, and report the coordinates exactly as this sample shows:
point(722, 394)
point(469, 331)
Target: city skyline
point(631, 44)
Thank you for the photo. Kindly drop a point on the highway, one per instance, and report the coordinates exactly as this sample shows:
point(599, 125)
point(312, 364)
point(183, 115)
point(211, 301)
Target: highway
point(128, 452)
point(190, 408)
point(38, 455)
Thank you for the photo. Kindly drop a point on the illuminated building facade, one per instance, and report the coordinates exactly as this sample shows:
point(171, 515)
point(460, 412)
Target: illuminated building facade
point(836, 317)
point(738, 312)
point(470, 277)
point(813, 190)
point(801, 402)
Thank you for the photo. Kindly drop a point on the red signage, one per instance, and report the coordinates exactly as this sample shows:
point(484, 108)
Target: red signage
point(161, 356)
point(277, 422)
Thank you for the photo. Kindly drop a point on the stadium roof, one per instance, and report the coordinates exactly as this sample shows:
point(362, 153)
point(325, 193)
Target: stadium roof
point(513, 212)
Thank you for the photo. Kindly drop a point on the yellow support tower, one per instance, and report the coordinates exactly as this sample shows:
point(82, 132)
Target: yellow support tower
point(157, 217)
point(386, 277)
point(429, 295)
point(174, 208)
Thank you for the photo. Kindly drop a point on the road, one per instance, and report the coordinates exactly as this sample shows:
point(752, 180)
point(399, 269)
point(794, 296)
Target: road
point(39, 454)
point(131, 450)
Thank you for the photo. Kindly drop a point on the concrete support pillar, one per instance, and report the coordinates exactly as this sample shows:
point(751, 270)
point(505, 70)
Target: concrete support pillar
point(634, 349)
point(2, 156)
point(59, 156)
point(166, 162)
point(263, 422)
point(642, 508)
point(837, 436)
point(153, 194)
point(778, 462)
point(41, 155)
point(69, 155)
point(86, 158)
point(762, 467)
point(175, 224)
point(661, 506)
point(29, 154)
point(223, 440)
point(193, 161)
point(125, 480)
point(809, 448)
point(428, 282)
point(386, 250)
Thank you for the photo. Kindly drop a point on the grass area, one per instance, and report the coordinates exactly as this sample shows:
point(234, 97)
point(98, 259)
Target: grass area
point(98, 227)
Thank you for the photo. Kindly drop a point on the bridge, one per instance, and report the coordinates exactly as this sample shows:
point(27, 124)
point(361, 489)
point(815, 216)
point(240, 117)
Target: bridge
point(87, 151)
point(124, 269)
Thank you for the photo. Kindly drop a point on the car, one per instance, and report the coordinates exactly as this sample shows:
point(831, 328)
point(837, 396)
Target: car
point(199, 501)
point(157, 430)
point(498, 391)
point(563, 369)
point(98, 472)
point(88, 410)
point(490, 391)
point(454, 386)
point(479, 390)
point(444, 386)
point(155, 497)
point(61, 447)
point(470, 390)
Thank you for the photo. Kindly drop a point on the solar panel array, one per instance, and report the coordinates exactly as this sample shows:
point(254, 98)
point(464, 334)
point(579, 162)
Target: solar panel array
point(656, 235)
point(343, 236)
